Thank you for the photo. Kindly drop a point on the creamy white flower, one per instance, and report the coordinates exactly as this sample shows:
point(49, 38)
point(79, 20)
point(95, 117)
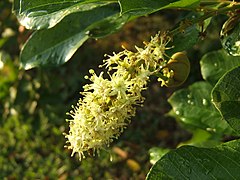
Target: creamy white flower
point(108, 104)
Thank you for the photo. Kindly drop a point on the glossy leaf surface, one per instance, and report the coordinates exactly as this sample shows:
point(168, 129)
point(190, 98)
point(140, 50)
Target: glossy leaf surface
point(42, 14)
point(55, 46)
point(216, 63)
point(231, 40)
point(189, 162)
point(193, 106)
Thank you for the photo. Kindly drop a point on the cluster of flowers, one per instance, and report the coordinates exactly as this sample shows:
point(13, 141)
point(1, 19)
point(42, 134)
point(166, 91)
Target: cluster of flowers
point(108, 104)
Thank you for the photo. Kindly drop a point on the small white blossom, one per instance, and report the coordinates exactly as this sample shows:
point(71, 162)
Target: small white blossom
point(108, 104)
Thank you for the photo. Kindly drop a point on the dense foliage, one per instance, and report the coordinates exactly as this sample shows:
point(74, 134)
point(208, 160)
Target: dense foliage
point(34, 101)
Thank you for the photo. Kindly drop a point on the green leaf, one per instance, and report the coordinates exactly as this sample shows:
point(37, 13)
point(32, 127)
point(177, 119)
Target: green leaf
point(143, 7)
point(231, 39)
point(156, 153)
point(202, 138)
point(193, 107)
point(47, 13)
point(184, 40)
point(226, 97)
point(189, 162)
point(216, 63)
point(55, 46)
point(3, 41)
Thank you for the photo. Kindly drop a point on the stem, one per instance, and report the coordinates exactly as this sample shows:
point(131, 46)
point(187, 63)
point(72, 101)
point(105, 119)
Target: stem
point(232, 6)
point(161, 76)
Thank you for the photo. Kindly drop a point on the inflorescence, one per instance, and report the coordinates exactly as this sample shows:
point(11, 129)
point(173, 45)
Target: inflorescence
point(109, 103)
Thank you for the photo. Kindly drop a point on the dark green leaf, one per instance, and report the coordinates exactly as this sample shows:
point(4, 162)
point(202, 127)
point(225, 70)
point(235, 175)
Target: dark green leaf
point(217, 63)
point(184, 40)
point(143, 7)
point(39, 14)
point(226, 97)
point(55, 46)
point(193, 106)
point(189, 162)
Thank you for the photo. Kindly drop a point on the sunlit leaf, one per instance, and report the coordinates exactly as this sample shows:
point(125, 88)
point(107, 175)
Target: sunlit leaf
point(231, 40)
point(47, 13)
point(55, 46)
point(156, 153)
